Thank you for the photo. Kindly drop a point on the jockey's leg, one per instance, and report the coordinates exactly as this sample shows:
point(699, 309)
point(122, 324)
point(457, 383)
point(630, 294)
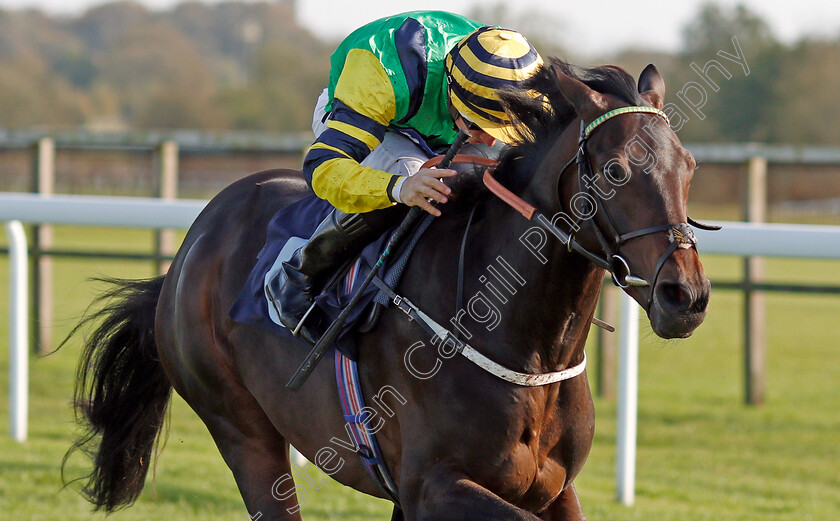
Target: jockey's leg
point(341, 235)
point(338, 237)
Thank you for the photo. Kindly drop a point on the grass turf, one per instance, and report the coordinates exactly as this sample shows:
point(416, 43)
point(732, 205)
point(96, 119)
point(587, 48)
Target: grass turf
point(702, 454)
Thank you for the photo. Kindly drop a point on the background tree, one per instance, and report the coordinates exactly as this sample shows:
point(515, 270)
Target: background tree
point(236, 65)
point(160, 78)
point(806, 90)
point(739, 111)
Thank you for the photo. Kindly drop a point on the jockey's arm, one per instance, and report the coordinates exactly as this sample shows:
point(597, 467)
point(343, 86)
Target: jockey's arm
point(363, 107)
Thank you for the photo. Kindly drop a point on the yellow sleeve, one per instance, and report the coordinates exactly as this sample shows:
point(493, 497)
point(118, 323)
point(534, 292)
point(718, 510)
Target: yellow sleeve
point(363, 107)
point(351, 187)
point(364, 86)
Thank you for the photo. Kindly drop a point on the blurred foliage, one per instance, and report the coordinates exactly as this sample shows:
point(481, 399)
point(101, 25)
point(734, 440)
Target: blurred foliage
point(119, 65)
point(743, 107)
point(807, 109)
point(234, 65)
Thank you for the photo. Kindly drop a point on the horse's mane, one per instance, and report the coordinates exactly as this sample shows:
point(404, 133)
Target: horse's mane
point(538, 124)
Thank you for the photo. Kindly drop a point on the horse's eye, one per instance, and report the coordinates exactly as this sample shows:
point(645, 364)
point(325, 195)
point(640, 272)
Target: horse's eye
point(616, 172)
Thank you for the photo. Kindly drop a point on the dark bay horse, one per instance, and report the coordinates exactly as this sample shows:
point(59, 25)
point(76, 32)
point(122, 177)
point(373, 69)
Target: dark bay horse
point(460, 443)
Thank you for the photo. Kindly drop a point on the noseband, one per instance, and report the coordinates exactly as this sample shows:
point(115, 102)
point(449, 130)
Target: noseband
point(610, 258)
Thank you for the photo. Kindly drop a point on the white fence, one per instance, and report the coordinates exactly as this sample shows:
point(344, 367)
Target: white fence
point(80, 210)
point(771, 240)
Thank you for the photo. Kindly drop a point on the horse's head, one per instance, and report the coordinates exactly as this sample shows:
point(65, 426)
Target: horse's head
point(619, 184)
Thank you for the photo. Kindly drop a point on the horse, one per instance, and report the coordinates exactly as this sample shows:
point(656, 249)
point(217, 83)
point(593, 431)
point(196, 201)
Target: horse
point(460, 443)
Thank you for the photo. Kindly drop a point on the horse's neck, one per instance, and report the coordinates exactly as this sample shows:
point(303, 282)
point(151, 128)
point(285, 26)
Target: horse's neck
point(545, 320)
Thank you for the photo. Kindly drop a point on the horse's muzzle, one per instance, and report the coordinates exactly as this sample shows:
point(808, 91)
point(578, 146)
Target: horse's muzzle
point(678, 307)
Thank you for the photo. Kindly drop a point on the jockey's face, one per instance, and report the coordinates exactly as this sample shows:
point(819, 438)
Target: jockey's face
point(477, 136)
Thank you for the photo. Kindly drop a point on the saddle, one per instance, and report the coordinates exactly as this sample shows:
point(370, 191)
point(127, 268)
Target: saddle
point(289, 229)
point(286, 232)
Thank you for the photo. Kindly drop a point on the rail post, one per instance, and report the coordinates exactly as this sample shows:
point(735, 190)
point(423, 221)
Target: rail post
point(43, 182)
point(628, 399)
point(755, 211)
point(167, 189)
point(18, 332)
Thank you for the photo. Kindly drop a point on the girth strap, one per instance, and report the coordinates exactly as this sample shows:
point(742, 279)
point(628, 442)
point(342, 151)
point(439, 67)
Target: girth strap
point(352, 403)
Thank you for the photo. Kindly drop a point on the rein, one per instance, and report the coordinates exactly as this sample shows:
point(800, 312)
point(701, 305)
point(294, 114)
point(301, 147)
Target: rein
point(450, 340)
point(680, 235)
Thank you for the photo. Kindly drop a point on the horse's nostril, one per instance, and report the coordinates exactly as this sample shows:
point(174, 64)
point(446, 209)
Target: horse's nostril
point(674, 295)
point(682, 299)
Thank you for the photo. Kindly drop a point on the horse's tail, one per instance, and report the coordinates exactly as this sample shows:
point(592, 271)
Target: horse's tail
point(121, 393)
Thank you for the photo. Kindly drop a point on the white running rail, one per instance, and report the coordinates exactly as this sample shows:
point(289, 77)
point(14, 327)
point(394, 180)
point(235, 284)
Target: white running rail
point(769, 240)
point(16, 209)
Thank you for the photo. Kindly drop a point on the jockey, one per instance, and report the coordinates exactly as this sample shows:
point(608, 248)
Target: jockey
point(400, 89)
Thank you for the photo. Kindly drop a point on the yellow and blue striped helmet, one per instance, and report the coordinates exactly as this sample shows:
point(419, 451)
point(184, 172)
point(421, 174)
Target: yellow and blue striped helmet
point(482, 64)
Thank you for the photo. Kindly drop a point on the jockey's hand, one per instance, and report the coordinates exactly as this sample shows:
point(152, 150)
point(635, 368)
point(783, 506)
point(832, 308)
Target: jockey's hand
point(424, 187)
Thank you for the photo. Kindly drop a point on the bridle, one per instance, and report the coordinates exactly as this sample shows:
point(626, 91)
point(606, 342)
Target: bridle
point(609, 258)
point(679, 235)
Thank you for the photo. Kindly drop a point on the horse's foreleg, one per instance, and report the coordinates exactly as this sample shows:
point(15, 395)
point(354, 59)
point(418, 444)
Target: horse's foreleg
point(565, 508)
point(447, 496)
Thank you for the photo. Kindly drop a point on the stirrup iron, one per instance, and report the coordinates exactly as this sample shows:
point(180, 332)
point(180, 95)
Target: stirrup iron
point(297, 329)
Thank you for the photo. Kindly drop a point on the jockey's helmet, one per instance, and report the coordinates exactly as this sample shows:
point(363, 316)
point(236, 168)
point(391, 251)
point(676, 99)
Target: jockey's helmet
point(487, 61)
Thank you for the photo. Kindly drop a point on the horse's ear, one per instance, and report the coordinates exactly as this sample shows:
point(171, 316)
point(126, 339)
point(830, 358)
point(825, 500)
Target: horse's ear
point(588, 104)
point(652, 86)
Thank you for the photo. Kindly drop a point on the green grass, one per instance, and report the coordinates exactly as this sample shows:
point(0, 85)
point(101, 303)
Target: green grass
point(702, 454)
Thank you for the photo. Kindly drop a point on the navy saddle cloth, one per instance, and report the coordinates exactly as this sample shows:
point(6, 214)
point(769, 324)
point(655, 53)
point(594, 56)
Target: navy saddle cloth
point(289, 229)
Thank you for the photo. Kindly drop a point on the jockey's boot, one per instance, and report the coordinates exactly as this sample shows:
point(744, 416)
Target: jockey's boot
point(339, 236)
